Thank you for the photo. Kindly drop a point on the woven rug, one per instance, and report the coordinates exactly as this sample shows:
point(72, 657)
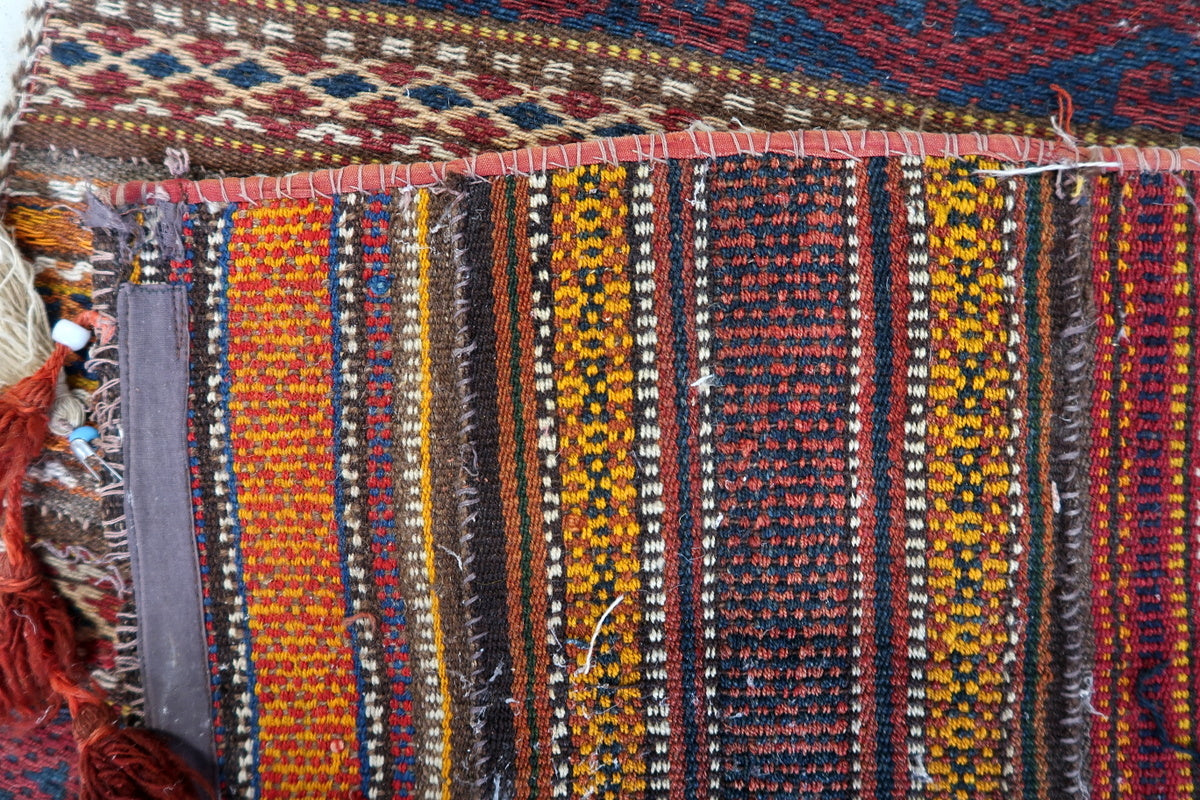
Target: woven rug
point(252, 87)
point(276, 86)
point(826, 465)
point(39, 762)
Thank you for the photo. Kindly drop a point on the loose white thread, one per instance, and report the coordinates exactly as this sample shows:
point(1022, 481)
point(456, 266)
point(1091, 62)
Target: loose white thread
point(587, 661)
point(1051, 168)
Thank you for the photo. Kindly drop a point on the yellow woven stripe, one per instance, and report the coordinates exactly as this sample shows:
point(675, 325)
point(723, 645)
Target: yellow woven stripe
point(1181, 342)
point(422, 208)
point(281, 430)
point(969, 484)
point(594, 385)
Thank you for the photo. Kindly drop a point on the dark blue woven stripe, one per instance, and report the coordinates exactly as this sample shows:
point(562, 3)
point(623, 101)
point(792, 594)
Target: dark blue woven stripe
point(885, 679)
point(784, 685)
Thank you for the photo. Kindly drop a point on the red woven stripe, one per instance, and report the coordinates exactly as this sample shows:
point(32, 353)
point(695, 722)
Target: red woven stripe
point(669, 469)
point(511, 273)
point(1145, 494)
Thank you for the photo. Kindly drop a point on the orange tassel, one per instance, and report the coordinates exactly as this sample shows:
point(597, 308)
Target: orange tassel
point(36, 637)
point(119, 763)
point(37, 640)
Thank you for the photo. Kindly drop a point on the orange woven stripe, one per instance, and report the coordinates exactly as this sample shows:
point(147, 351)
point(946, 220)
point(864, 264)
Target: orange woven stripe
point(281, 430)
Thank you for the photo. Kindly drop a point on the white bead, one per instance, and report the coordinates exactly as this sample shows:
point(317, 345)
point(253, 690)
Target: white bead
point(68, 333)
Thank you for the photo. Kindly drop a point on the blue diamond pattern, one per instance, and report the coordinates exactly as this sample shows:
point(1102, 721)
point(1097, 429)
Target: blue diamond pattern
point(345, 85)
point(530, 116)
point(71, 54)
point(439, 98)
point(247, 75)
point(161, 65)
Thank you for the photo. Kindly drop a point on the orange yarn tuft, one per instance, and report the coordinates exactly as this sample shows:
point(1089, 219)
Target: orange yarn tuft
point(1066, 108)
point(119, 763)
point(36, 636)
point(36, 642)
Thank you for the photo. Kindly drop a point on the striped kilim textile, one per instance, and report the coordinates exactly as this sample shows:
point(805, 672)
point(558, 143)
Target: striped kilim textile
point(275, 86)
point(781, 484)
point(1143, 530)
point(750, 472)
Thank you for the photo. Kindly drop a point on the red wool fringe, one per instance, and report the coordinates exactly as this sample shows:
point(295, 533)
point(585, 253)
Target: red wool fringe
point(36, 636)
point(37, 640)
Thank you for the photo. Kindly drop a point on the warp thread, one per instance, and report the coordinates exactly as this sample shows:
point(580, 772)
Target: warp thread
point(1061, 124)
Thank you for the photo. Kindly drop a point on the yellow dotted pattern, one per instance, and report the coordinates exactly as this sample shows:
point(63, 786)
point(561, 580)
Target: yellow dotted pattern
point(1114, 482)
point(970, 477)
point(594, 386)
point(1182, 331)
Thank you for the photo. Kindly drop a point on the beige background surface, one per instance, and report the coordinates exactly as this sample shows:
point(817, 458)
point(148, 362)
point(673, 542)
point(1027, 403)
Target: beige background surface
point(12, 22)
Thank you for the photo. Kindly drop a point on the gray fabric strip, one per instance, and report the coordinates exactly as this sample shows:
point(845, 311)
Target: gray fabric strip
point(153, 352)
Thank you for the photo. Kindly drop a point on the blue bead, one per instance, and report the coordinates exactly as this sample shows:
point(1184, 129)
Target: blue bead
point(85, 433)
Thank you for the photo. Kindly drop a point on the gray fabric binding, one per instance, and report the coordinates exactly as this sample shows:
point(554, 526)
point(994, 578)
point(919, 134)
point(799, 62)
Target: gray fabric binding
point(153, 352)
